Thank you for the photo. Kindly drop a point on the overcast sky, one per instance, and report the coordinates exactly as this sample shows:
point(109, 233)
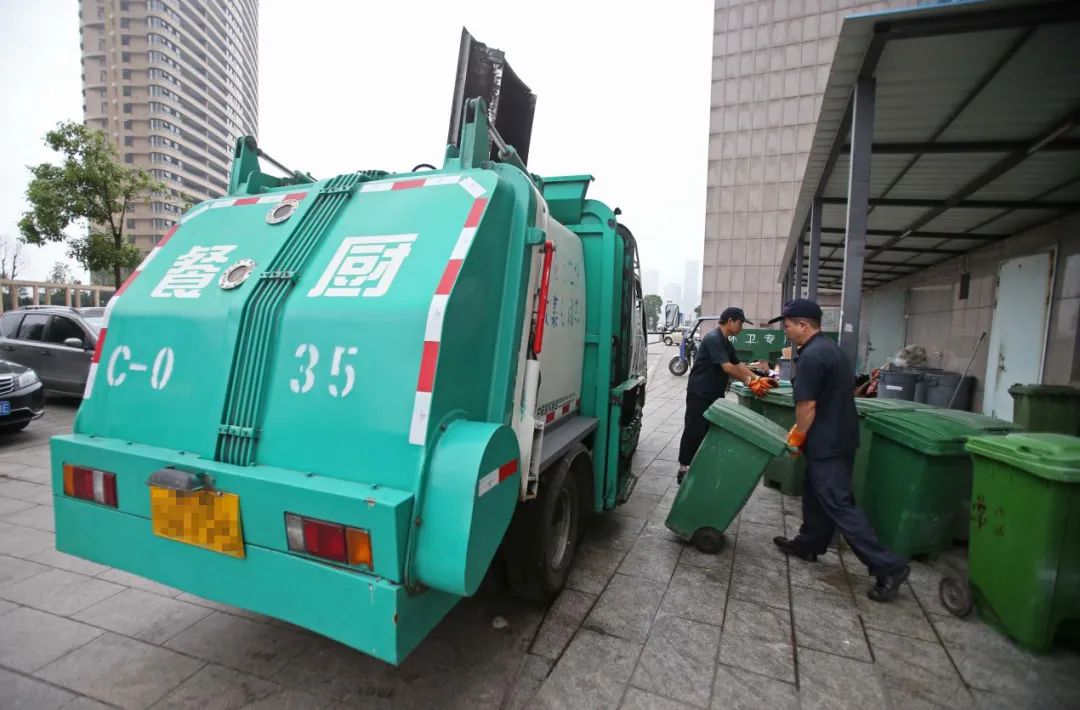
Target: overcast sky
point(623, 94)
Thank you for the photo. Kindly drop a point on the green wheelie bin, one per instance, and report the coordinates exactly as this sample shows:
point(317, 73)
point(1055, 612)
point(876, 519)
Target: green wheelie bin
point(785, 473)
point(747, 398)
point(723, 474)
point(866, 406)
point(1047, 408)
point(1024, 554)
point(918, 478)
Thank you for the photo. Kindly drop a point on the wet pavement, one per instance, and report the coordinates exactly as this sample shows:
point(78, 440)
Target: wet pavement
point(645, 622)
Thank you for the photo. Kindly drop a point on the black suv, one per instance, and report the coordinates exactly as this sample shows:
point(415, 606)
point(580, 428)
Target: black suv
point(54, 341)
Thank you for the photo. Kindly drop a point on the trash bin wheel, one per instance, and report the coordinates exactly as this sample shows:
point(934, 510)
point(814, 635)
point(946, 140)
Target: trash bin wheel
point(708, 540)
point(678, 366)
point(668, 341)
point(956, 596)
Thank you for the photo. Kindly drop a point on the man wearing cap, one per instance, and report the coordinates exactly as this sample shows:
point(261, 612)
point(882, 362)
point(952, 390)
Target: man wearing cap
point(714, 364)
point(826, 431)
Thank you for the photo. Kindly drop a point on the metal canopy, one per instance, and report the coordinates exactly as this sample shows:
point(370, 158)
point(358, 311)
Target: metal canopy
point(975, 136)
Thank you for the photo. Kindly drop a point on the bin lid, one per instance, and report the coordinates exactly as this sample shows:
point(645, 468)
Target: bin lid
point(781, 396)
point(1055, 457)
point(869, 405)
point(748, 425)
point(1046, 391)
point(924, 431)
point(985, 424)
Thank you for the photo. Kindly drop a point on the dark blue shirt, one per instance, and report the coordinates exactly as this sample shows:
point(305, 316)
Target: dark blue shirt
point(707, 377)
point(823, 375)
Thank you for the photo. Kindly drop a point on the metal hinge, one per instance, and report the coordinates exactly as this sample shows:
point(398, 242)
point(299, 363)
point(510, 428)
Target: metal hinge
point(279, 276)
point(242, 432)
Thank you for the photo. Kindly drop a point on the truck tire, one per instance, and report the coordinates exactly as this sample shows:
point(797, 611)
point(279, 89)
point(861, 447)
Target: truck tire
point(678, 366)
point(545, 531)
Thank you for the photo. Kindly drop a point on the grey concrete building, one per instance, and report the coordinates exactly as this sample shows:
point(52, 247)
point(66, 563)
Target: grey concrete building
point(173, 83)
point(770, 66)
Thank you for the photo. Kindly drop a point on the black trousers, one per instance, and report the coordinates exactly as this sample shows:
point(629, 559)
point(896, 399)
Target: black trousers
point(695, 427)
point(828, 504)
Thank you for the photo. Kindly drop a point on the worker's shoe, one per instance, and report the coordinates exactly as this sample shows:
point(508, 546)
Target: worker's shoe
point(888, 586)
point(790, 548)
point(681, 474)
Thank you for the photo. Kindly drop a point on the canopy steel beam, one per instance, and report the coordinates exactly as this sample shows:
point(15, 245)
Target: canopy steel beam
point(907, 250)
point(939, 206)
point(962, 148)
point(815, 250)
point(862, 134)
point(927, 235)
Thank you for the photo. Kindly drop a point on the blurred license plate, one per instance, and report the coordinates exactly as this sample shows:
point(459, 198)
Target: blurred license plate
point(203, 518)
point(5, 408)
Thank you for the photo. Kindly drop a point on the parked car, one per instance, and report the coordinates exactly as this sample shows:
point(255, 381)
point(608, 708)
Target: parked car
point(54, 341)
point(22, 396)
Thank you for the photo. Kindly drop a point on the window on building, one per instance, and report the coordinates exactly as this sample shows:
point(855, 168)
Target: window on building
point(126, 74)
point(129, 157)
point(128, 125)
point(125, 57)
point(127, 91)
point(125, 40)
point(131, 224)
point(127, 108)
point(129, 141)
point(124, 22)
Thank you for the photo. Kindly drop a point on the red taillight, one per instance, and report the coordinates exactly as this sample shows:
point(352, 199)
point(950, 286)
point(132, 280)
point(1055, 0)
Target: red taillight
point(329, 541)
point(90, 484)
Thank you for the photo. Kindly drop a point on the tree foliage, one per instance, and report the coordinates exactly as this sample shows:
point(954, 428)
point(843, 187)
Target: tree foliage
point(90, 186)
point(61, 274)
point(12, 258)
point(653, 304)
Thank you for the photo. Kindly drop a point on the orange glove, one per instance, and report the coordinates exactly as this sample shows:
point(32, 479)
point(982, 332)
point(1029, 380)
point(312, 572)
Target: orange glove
point(760, 386)
point(797, 440)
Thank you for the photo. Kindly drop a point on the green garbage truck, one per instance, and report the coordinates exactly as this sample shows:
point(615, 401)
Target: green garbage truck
point(250, 434)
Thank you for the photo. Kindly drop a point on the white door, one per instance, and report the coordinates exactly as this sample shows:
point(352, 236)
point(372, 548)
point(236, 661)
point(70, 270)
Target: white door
point(887, 327)
point(1018, 336)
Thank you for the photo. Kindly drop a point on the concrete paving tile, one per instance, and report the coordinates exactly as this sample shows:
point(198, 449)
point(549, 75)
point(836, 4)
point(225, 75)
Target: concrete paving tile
point(902, 615)
point(593, 673)
point(39, 517)
point(652, 557)
point(678, 660)
point(243, 644)
point(42, 497)
point(6, 606)
point(20, 490)
point(757, 638)
point(764, 585)
point(828, 622)
point(830, 682)
point(12, 505)
point(142, 615)
point(917, 672)
point(593, 568)
point(84, 703)
point(59, 592)
point(640, 505)
point(20, 541)
point(562, 622)
point(12, 569)
point(135, 581)
point(755, 544)
point(738, 689)
point(825, 575)
point(60, 560)
point(626, 608)
point(613, 531)
point(34, 474)
point(696, 594)
point(217, 688)
point(534, 671)
point(642, 460)
point(18, 692)
point(121, 671)
point(653, 485)
point(328, 669)
point(31, 639)
point(636, 699)
point(292, 700)
point(720, 562)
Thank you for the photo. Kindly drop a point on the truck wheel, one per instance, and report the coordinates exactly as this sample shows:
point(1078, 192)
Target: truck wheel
point(668, 341)
point(545, 531)
point(678, 366)
point(708, 540)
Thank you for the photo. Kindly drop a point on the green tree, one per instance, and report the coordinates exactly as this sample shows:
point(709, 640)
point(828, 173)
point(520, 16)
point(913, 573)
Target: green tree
point(61, 274)
point(697, 310)
point(88, 187)
point(653, 305)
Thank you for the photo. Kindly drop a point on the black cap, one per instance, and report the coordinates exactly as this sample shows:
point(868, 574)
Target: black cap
point(799, 308)
point(733, 314)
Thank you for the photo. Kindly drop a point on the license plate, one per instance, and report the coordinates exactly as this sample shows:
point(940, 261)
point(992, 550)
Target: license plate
point(207, 519)
point(5, 408)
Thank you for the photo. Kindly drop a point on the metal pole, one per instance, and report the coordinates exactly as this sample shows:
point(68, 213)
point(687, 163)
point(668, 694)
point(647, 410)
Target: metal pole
point(785, 288)
point(800, 268)
point(862, 133)
point(815, 250)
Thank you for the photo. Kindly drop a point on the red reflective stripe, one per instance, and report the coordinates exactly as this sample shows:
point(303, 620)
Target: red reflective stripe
point(408, 184)
point(550, 417)
point(246, 201)
point(541, 314)
point(127, 282)
point(476, 212)
point(168, 235)
point(566, 409)
point(427, 366)
point(100, 344)
point(507, 470)
point(449, 276)
point(295, 196)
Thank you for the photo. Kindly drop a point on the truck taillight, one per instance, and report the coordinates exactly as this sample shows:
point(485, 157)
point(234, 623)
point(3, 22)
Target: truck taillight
point(329, 541)
point(90, 484)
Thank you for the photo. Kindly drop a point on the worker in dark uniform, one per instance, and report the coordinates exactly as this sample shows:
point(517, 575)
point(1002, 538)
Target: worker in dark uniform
point(826, 431)
point(714, 365)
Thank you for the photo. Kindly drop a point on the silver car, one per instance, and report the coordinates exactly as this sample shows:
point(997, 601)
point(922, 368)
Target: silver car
point(54, 341)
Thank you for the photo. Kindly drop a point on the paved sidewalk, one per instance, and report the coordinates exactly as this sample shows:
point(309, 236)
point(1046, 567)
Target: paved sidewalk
point(645, 622)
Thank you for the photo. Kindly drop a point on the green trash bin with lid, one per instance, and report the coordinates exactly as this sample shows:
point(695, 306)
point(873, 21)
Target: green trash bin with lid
point(1024, 555)
point(723, 474)
point(785, 473)
point(1053, 408)
point(866, 406)
point(918, 479)
point(747, 398)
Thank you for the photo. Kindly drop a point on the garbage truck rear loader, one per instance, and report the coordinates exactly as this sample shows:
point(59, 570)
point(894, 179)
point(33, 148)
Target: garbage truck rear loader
point(249, 436)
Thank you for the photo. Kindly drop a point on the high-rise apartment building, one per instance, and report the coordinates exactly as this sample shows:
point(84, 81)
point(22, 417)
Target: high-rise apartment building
point(691, 286)
point(173, 83)
point(771, 61)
